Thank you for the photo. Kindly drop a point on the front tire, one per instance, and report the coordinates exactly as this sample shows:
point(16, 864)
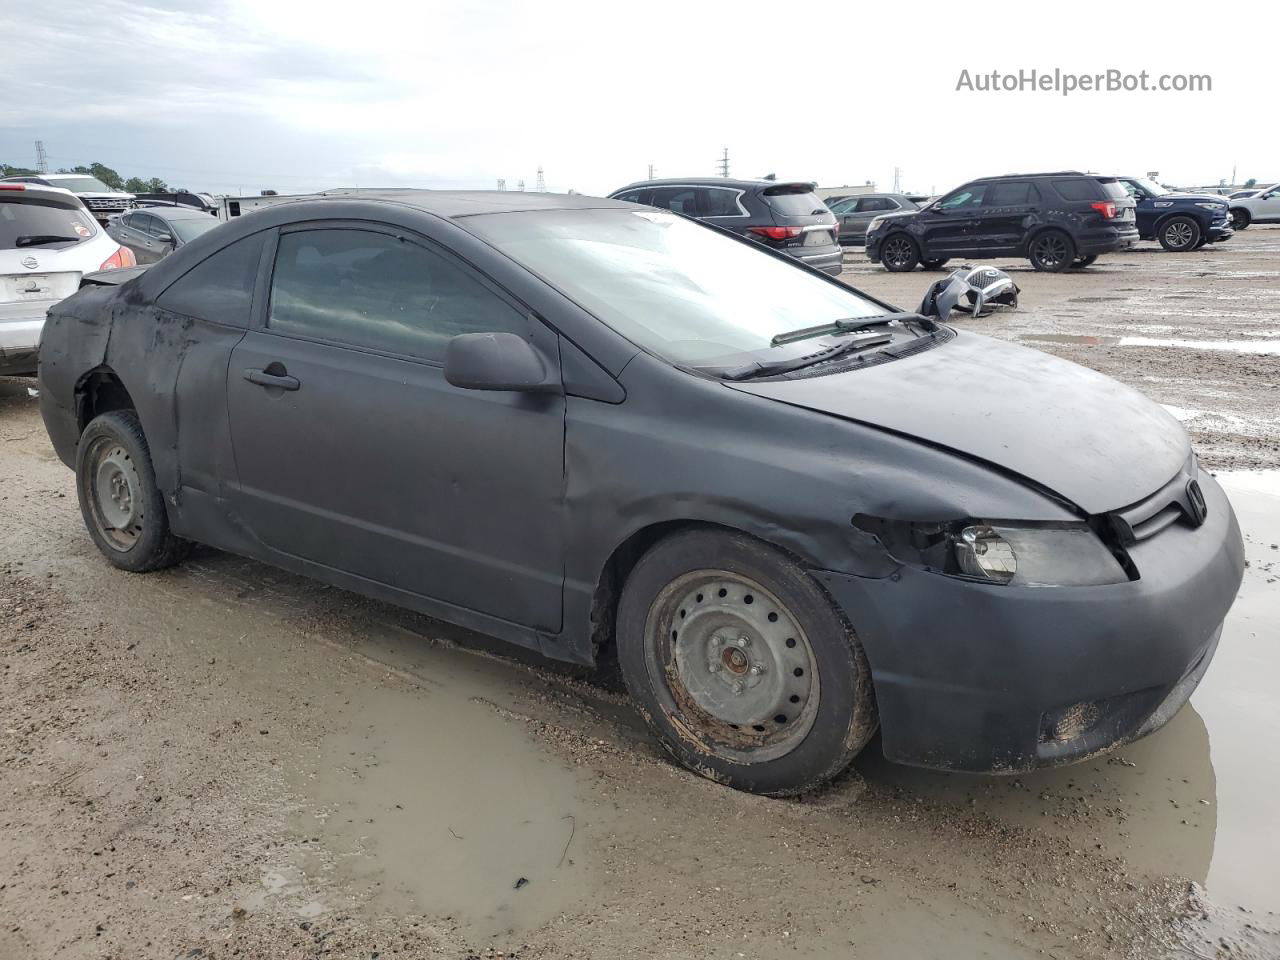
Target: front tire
point(899, 253)
point(1178, 234)
point(122, 506)
point(741, 665)
point(1240, 219)
point(1079, 263)
point(1051, 251)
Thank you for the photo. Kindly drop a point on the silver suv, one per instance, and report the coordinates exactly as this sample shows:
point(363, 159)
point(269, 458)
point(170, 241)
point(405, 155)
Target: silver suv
point(101, 200)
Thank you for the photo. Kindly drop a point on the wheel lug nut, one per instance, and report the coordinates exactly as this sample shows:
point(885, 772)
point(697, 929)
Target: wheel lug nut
point(744, 641)
point(717, 641)
point(713, 668)
point(738, 687)
point(757, 670)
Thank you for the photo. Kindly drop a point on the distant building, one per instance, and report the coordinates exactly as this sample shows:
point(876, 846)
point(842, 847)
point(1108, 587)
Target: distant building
point(846, 191)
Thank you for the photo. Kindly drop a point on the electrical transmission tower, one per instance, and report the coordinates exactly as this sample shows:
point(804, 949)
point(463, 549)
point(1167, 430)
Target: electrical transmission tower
point(502, 184)
point(897, 179)
point(520, 185)
point(723, 163)
point(42, 159)
point(541, 182)
point(650, 177)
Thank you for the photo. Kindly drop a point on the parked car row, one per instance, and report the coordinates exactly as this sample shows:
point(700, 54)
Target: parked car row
point(1058, 221)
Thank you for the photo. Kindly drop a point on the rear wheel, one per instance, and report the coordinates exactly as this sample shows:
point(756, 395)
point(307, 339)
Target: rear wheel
point(122, 506)
point(741, 665)
point(1179, 233)
point(934, 264)
point(1080, 262)
point(1051, 250)
point(900, 253)
point(1240, 218)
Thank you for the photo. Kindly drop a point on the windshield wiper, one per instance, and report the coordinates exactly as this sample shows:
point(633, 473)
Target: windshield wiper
point(843, 326)
point(38, 239)
point(764, 368)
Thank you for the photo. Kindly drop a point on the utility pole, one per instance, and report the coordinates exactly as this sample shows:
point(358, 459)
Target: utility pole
point(541, 182)
point(724, 163)
point(897, 179)
point(502, 183)
point(650, 177)
point(520, 185)
point(42, 159)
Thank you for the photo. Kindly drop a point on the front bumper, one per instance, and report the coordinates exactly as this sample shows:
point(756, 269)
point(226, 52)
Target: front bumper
point(972, 677)
point(20, 337)
point(1219, 230)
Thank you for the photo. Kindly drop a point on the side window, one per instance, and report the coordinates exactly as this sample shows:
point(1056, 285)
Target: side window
point(140, 222)
point(220, 287)
point(158, 228)
point(718, 202)
point(631, 196)
point(844, 206)
point(1077, 188)
point(1011, 193)
point(965, 197)
point(677, 199)
point(1132, 190)
point(373, 290)
point(872, 204)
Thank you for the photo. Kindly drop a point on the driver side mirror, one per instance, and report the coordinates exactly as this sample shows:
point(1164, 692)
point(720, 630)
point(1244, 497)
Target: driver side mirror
point(164, 238)
point(497, 361)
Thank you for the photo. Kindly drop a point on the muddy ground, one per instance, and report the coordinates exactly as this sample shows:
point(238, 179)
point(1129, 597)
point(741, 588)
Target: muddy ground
point(222, 760)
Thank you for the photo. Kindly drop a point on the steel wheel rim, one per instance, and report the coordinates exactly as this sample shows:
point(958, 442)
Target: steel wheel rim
point(898, 252)
point(1051, 251)
point(114, 492)
point(731, 661)
point(1178, 234)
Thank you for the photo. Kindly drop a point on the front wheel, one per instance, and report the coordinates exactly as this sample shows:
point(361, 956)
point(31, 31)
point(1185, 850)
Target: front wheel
point(1051, 251)
point(900, 253)
point(740, 664)
point(1240, 219)
point(1179, 233)
point(122, 506)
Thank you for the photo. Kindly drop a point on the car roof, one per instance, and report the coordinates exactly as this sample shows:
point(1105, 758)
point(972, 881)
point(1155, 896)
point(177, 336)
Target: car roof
point(1033, 176)
point(463, 203)
point(60, 192)
point(715, 182)
point(176, 212)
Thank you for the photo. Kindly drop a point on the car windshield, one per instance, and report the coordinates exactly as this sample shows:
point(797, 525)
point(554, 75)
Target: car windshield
point(81, 184)
point(685, 292)
point(1152, 188)
point(29, 222)
point(188, 230)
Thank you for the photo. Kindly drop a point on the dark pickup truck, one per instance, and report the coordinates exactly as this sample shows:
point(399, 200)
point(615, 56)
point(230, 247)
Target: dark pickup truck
point(1180, 221)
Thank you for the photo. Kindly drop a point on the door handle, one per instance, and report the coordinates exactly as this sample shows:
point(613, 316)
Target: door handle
point(264, 379)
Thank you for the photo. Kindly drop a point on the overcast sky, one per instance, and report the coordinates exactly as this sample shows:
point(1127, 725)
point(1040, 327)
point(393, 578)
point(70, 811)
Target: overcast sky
point(232, 96)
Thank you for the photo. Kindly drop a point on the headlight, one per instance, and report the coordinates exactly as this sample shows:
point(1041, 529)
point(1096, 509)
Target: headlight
point(875, 224)
point(1212, 206)
point(1035, 556)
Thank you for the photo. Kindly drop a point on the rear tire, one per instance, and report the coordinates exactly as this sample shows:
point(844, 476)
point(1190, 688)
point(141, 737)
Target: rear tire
point(740, 664)
point(899, 253)
point(1178, 234)
point(122, 506)
point(1240, 219)
point(934, 264)
point(1079, 263)
point(1051, 251)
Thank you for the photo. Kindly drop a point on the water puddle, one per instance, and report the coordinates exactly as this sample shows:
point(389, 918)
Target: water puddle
point(428, 800)
point(1198, 798)
point(1268, 347)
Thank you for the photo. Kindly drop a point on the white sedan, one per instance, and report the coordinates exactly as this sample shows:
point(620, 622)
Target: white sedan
point(48, 241)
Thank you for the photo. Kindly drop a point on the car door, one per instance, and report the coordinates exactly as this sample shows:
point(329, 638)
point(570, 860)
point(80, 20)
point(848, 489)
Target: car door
point(352, 449)
point(1003, 218)
point(949, 226)
point(1144, 209)
point(843, 211)
point(132, 233)
point(854, 225)
point(1267, 207)
point(161, 236)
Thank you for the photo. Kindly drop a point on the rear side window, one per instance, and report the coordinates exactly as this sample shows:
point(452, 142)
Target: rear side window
point(1080, 188)
point(718, 202)
point(793, 202)
point(220, 287)
point(1011, 193)
point(873, 204)
point(1113, 189)
point(367, 289)
point(676, 199)
point(23, 222)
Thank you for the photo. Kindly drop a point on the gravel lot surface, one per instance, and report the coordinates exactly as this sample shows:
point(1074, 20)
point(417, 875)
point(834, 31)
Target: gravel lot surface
point(222, 760)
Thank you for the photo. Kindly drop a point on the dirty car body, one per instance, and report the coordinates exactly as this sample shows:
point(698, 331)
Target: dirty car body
point(285, 427)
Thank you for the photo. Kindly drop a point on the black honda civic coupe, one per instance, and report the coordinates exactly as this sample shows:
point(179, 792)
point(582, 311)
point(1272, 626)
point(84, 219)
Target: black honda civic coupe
point(795, 513)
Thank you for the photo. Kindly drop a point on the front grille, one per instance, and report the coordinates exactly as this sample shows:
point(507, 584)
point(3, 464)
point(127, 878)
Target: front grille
point(106, 205)
point(1171, 504)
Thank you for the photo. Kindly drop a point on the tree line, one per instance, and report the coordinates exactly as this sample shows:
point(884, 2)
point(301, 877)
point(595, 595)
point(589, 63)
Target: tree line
point(104, 173)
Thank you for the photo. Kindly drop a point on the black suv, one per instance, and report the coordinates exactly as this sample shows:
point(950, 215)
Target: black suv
point(1055, 220)
point(788, 217)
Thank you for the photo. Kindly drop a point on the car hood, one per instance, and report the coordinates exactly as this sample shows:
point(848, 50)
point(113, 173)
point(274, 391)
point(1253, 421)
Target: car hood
point(1089, 439)
point(1193, 197)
